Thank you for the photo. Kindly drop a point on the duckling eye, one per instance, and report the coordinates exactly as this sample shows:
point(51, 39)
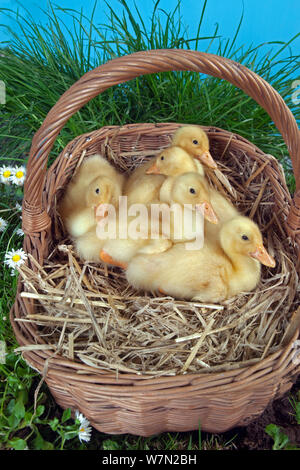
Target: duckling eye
point(244, 237)
point(97, 191)
point(192, 191)
point(162, 158)
point(195, 142)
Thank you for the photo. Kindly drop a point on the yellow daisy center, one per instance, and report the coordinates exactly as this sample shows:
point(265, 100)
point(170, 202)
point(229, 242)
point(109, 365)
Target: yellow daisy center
point(6, 173)
point(16, 258)
point(82, 429)
point(19, 174)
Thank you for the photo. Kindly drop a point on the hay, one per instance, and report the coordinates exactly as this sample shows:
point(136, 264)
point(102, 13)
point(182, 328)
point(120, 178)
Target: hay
point(89, 313)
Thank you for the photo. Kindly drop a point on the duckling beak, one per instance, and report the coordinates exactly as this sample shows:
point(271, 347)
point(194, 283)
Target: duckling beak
point(209, 213)
point(207, 159)
point(263, 256)
point(153, 170)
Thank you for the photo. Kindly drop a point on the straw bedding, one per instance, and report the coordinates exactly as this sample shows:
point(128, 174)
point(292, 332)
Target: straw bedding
point(87, 312)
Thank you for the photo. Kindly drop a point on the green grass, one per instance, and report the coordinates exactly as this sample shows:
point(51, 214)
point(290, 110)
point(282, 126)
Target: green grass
point(37, 66)
point(280, 439)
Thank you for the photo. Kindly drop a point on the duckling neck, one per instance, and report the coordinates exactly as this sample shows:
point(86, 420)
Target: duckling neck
point(166, 189)
point(244, 274)
point(183, 167)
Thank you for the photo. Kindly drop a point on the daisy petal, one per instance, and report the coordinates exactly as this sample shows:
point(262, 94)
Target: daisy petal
point(15, 258)
point(3, 224)
point(20, 232)
point(18, 176)
point(84, 433)
point(6, 173)
point(85, 430)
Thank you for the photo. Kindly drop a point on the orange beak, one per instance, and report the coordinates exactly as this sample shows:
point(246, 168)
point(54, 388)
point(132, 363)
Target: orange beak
point(207, 160)
point(263, 256)
point(153, 170)
point(106, 258)
point(209, 213)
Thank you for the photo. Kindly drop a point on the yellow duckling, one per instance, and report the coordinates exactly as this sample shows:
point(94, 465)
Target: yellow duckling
point(213, 274)
point(174, 161)
point(171, 164)
point(95, 182)
point(194, 140)
point(187, 189)
point(144, 183)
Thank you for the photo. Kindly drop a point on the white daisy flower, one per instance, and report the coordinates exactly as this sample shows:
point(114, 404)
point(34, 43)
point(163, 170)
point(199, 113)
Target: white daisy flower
point(18, 206)
point(20, 232)
point(18, 176)
point(85, 430)
point(15, 258)
point(3, 224)
point(6, 173)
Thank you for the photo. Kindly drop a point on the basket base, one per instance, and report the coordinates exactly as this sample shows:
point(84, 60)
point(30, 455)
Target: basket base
point(215, 414)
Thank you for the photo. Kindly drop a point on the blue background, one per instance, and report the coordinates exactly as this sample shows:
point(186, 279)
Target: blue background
point(264, 20)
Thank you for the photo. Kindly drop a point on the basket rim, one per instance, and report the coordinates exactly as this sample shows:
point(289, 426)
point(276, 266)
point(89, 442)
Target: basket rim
point(139, 404)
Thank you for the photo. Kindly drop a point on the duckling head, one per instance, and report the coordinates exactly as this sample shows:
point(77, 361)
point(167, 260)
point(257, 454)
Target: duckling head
point(191, 188)
point(194, 140)
point(242, 236)
point(171, 162)
point(100, 191)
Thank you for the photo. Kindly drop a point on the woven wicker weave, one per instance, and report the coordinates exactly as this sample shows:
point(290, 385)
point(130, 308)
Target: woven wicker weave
point(130, 403)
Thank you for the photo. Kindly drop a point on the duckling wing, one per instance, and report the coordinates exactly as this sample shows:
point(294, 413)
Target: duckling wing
point(179, 272)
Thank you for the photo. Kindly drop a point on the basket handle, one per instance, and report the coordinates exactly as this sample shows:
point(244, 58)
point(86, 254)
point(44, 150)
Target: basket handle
point(122, 69)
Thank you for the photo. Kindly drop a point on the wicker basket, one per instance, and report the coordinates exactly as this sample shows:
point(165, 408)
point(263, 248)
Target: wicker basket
point(130, 403)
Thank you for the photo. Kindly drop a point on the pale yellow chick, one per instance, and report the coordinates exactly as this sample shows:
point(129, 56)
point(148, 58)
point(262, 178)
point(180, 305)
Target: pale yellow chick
point(170, 165)
point(167, 226)
point(190, 190)
point(95, 182)
point(213, 274)
point(194, 140)
point(144, 184)
point(174, 161)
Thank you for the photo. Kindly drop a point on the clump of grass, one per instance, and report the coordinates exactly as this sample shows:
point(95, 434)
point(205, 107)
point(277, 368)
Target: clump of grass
point(280, 439)
point(40, 62)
